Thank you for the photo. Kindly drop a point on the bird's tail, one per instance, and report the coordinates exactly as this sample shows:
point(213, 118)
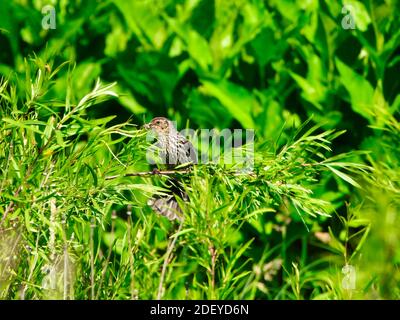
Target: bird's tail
point(167, 206)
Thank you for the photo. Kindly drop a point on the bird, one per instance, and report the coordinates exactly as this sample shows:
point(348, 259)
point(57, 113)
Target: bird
point(174, 150)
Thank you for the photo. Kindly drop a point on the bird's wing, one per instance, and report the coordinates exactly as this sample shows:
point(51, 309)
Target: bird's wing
point(166, 206)
point(188, 153)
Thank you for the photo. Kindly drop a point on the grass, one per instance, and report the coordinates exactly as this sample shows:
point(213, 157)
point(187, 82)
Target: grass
point(68, 232)
point(320, 206)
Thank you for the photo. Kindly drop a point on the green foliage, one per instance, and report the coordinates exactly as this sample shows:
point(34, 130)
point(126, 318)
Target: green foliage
point(325, 190)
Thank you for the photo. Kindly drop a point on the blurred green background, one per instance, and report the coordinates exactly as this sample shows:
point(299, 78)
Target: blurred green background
point(265, 65)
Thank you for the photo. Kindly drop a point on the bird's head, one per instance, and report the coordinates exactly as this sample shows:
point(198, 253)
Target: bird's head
point(160, 125)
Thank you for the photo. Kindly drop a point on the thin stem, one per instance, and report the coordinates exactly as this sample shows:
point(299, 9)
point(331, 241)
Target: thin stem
point(166, 173)
point(92, 259)
point(113, 217)
point(66, 273)
point(171, 246)
point(148, 173)
point(129, 213)
point(213, 260)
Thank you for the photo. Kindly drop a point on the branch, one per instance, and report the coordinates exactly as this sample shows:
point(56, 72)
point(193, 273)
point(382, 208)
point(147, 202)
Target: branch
point(168, 173)
point(149, 173)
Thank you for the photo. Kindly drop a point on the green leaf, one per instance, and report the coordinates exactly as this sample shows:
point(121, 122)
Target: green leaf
point(360, 14)
point(199, 50)
point(60, 139)
point(236, 99)
point(360, 90)
point(344, 176)
point(29, 124)
point(197, 47)
point(361, 242)
point(356, 223)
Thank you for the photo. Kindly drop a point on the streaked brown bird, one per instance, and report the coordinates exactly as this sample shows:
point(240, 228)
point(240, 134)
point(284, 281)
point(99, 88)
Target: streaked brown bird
point(175, 150)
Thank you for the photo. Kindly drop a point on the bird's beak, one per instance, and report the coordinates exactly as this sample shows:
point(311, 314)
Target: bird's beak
point(146, 126)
